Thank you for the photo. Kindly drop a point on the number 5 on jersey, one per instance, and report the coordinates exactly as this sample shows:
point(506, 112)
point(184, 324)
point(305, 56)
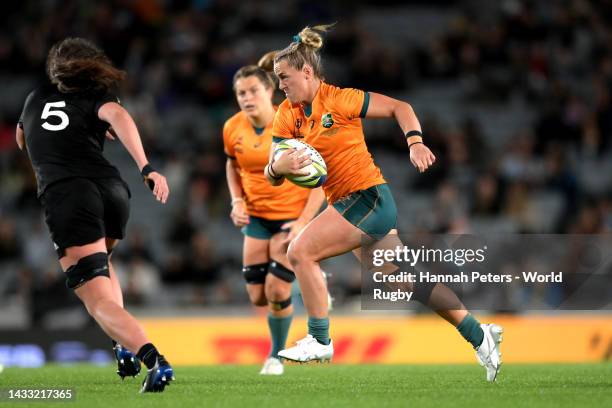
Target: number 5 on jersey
point(60, 114)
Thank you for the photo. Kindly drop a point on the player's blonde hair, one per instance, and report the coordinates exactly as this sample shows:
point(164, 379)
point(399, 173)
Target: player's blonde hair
point(262, 71)
point(304, 49)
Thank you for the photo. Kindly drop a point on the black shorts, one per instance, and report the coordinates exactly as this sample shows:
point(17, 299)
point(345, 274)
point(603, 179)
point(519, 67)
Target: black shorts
point(80, 211)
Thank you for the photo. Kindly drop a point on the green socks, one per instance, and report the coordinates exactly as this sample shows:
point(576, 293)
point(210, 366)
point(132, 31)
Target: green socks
point(279, 329)
point(319, 329)
point(471, 331)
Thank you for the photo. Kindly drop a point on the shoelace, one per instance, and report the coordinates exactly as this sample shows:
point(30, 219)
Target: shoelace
point(487, 358)
point(161, 360)
point(305, 340)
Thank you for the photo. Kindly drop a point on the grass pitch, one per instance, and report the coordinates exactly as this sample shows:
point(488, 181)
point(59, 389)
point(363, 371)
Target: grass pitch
point(372, 386)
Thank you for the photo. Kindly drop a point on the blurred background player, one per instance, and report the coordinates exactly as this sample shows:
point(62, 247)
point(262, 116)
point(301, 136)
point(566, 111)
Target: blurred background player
point(270, 217)
point(360, 200)
point(63, 126)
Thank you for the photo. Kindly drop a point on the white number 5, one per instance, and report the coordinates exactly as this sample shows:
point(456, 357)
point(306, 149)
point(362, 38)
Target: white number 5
point(62, 115)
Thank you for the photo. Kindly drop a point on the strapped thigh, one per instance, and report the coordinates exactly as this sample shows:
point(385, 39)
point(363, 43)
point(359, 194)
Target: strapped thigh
point(86, 269)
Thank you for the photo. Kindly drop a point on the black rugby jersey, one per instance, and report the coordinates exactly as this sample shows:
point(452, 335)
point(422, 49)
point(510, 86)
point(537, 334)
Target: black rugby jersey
point(64, 136)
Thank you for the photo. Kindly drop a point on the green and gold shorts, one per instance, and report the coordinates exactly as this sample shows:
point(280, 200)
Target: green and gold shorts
point(371, 210)
point(262, 228)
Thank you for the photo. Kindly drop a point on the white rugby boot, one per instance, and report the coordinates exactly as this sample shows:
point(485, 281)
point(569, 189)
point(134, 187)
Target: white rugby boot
point(488, 353)
point(308, 349)
point(272, 366)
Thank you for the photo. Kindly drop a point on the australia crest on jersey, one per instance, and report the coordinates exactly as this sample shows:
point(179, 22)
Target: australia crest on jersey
point(327, 121)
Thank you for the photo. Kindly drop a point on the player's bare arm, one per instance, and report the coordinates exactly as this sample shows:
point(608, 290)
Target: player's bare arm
point(20, 137)
point(125, 129)
point(382, 106)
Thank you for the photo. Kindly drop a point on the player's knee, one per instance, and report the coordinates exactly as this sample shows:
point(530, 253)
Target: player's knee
point(86, 269)
point(281, 272)
point(278, 291)
point(255, 277)
point(296, 253)
point(255, 274)
point(258, 298)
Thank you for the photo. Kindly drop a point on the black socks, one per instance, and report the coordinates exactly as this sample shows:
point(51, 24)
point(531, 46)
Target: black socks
point(148, 355)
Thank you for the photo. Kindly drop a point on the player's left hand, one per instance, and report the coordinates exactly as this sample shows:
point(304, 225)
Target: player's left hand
point(158, 184)
point(421, 157)
point(294, 227)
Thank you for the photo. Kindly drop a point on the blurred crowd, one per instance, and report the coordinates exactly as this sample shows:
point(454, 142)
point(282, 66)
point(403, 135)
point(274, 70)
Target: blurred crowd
point(514, 98)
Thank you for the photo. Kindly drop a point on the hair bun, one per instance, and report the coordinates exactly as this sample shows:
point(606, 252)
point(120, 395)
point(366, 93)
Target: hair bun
point(311, 36)
point(266, 62)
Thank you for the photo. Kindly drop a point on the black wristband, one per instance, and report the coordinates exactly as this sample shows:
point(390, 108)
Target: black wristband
point(271, 173)
point(414, 133)
point(413, 143)
point(146, 170)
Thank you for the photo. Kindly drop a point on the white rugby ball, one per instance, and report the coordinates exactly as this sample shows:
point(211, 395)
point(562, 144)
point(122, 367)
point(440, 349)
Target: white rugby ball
point(317, 170)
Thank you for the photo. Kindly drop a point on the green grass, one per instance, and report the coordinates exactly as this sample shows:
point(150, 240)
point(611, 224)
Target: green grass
point(372, 386)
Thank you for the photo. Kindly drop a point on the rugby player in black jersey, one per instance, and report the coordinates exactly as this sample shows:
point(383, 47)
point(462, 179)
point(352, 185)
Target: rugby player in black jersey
point(63, 126)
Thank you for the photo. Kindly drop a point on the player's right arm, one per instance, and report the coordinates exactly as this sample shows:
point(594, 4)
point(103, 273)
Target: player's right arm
point(125, 128)
point(239, 214)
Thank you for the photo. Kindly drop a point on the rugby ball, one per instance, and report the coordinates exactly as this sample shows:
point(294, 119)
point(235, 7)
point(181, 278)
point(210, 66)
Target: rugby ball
point(317, 170)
